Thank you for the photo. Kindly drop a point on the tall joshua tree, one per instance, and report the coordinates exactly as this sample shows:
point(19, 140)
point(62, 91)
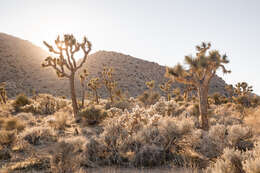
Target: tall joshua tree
point(200, 71)
point(64, 63)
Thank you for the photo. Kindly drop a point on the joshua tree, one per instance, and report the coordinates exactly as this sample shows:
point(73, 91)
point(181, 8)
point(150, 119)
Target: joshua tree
point(166, 87)
point(83, 78)
point(65, 63)
point(177, 94)
point(94, 84)
point(201, 70)
point(3, 96)
point(187, 91)
point(150, 85)
point(109, 82)
point(243, 89)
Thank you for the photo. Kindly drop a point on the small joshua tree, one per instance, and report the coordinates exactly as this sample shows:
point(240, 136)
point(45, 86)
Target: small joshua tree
point(242, 88)
point(177, 94)
point(3, 96)
point(109, 82)
point(188, 91)
point(65, 63)
point(166, 87)
point(83, 78)
point(94, 84)
point(201, 70)
point(150, 85)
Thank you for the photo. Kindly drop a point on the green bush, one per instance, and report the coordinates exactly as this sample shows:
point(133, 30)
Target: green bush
point(93, 114)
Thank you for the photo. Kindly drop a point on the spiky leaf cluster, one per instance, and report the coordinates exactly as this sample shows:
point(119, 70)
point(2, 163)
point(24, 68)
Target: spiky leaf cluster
point(94, 83)
point(188, 91)
point(242, 88)
point(150, 84)
point(64, 52)
point(166, 87)
point(83, 77)
point(201, 68)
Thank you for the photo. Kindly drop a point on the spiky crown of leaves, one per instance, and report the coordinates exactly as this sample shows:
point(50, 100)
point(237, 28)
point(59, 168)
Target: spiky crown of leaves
point(203, 66)
point(65, 50)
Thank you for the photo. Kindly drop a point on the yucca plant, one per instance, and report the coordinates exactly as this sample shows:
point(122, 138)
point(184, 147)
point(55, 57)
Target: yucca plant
point(242, 88)
point(201, 69)
point(188, 91)
point(166, 87)
point(65, 63)
point(94, 84)
point(109, 82)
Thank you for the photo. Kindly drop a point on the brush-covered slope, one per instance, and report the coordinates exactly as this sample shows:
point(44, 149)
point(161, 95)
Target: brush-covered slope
point(131, 73)
point(20, 67)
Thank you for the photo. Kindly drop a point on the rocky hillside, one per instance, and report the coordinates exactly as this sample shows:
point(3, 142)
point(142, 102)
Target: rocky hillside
point(20, 68)
point(132, 73)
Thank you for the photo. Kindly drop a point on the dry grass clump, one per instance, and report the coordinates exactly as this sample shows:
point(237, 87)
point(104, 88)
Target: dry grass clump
point(7, 137)
point(60, 120)
point(45, 104)
point(93, 114)
point(229, 162)
point(235, 161)
point(39, 135)
point(68, 155)
point(11, 123)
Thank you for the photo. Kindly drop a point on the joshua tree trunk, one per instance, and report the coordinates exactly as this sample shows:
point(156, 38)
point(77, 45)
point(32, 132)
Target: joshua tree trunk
point(83, 96)
point(111, 96)
point(73, 94)
point(203, 106)
point(96, 95)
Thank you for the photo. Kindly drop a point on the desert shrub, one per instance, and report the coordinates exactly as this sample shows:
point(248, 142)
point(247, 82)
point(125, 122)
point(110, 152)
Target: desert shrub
point(20, 101)
point(93, 114)
point(29, 118)
point(60, 120)
point(252, 165)
point(5, 154)
point(14, 123)
point(45, 104)
point(149, 156)
point(149, 98)
point(68, 155)
point(238, 137)
point(39, 135)
point(7, 137)
point(120, 104)
point(252, 159)
point(229, 162)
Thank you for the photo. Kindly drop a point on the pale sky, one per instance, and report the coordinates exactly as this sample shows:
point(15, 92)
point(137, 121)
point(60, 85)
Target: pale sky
point(163, 31)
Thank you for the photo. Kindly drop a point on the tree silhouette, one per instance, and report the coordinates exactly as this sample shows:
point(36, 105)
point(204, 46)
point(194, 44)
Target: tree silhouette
point(200, 71)
point(64, 63)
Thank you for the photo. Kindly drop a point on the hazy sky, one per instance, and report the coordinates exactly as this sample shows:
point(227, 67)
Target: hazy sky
point(162, 31)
